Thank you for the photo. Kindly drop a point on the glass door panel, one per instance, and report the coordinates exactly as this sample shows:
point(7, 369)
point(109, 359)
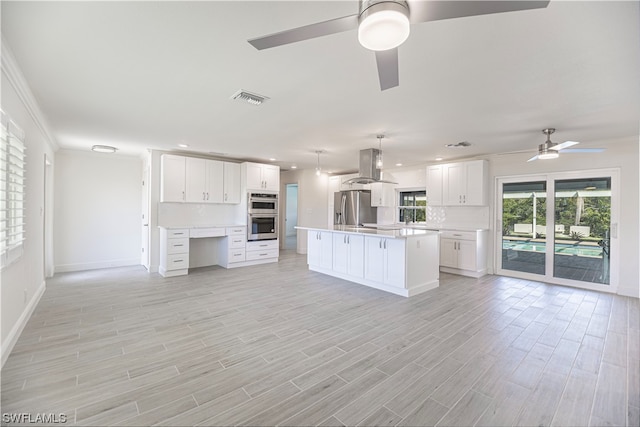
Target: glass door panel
point(582, 229)
point(524, 227)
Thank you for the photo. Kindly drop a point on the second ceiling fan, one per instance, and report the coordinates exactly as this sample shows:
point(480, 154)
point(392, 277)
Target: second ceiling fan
point(383, 25)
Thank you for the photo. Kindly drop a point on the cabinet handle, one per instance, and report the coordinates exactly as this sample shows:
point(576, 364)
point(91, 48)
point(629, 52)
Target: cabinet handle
point(177, 246)
point(464, 198)
point(207, 195)
point(178, 260)
point(344, 239)
point(203, 196)
point(183, 195)
point(225, 197)
point(348, 240)
point(380, 244)
point(178, 234)
point(385, 244)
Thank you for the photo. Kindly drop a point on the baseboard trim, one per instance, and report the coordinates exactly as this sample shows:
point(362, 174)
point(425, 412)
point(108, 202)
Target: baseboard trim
point(16, 331)
point(65, 268)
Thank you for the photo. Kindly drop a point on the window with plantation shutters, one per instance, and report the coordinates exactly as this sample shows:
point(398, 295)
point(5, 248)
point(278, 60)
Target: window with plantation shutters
point(12, 191)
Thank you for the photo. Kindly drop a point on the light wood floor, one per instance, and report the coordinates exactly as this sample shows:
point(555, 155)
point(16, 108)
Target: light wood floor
point(280, 345)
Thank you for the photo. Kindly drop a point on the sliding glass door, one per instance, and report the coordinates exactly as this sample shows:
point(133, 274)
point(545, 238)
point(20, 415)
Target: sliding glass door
point(582, 249)
point(524, 226)
point(559, 228)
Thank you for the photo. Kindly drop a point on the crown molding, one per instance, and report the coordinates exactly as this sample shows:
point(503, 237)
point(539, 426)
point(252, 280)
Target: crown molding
point(17, 80)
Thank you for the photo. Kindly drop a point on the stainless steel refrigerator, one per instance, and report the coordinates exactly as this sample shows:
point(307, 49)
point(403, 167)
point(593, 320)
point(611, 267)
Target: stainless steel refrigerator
point(353, 207)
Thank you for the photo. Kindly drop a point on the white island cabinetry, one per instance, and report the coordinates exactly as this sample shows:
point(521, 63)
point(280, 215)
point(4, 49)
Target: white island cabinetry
point(348, 254)
point(404, 262)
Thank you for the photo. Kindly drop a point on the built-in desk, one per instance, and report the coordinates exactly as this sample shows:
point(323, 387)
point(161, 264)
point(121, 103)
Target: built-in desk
point(226, 246)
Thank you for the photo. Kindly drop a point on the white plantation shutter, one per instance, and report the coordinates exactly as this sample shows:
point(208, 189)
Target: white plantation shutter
point(12, 190)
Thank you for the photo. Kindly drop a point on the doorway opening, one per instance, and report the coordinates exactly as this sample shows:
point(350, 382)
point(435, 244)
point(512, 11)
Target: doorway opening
point(291, 217)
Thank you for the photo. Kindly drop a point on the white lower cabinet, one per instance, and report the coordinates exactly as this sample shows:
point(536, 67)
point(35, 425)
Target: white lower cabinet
point(348, 254)
point(174, 252)
point(320, 249)
point(464, 252)
point(385, 261)
point(232, 249)
point(262, 250)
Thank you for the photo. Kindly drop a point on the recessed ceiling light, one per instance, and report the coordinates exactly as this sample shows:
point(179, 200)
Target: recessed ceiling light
point(294, 167)
point(272, 159)
point(183, 145)
point(398, 164)
point(438, 159)
point(104, 149)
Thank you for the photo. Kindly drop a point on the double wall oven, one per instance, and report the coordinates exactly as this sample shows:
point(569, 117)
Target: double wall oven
point(262, 216)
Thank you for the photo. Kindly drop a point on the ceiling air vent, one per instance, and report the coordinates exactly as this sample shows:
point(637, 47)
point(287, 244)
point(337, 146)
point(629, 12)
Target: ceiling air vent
point(463, 144)
point(251, 98)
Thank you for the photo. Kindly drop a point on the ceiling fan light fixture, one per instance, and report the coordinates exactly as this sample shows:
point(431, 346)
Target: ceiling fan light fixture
point(383, 25)
point(545, 152)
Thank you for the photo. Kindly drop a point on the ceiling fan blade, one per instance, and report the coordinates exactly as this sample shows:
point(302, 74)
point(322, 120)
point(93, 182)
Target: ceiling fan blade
point(307, 32)
point(533, 158)
point(423, 11)
point(387, 61)
point(564, 145)
point(583, 150)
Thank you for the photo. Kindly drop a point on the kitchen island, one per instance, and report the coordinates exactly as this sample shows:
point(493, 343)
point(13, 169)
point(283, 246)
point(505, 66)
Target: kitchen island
point(403, 261)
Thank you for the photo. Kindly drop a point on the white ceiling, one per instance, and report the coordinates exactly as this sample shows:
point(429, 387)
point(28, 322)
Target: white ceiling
point(140, 75)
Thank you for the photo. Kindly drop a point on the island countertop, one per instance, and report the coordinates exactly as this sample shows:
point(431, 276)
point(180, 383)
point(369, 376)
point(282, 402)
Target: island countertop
point(381, 231)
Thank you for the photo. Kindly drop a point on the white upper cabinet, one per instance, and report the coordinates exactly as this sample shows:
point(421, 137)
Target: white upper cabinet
point(172, 178)
point(198, 180)
point(231, 192)
point(262, 177)
point(434, 185)
point(458, 184)
point(204, 180)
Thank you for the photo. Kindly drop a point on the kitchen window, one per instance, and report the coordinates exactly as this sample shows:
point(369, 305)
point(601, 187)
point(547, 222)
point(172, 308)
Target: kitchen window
point(12, 188)
point(412, 206)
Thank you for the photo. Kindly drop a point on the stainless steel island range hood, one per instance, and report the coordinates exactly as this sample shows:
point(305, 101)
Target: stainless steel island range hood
point(369, 172)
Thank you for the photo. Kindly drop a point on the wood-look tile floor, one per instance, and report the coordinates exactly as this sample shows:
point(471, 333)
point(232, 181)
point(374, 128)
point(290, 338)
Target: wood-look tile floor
point(279, 345)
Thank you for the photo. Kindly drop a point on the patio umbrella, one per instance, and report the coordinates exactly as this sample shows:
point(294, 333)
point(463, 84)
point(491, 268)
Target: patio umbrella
point(579, 208)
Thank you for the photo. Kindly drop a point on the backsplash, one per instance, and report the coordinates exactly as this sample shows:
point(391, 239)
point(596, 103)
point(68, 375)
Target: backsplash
point(195, 214)
point(445, 216)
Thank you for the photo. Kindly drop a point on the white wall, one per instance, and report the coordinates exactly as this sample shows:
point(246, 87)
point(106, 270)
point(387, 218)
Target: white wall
point(97, 213)
point(312, 200)
point(22, 283)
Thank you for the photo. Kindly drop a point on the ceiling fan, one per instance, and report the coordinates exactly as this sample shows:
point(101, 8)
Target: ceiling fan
point(551, 150)
point(383, 25)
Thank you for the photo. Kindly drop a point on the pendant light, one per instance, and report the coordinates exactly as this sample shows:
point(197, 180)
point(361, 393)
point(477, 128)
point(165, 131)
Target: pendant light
point(379, 157)
point(318, 169)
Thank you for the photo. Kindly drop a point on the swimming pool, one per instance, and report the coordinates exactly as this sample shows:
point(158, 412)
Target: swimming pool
point(560, 248)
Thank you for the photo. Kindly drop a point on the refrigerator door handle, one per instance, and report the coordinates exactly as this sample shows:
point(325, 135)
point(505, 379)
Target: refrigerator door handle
point(343, 207)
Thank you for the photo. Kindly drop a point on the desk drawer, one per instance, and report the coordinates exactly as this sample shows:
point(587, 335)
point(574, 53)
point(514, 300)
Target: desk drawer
point(177, 261)
point(236, 255)
point(237, 242)
point(207, 232)
point(177, 232)
point(178, 246)
point(236, 230)
point(267, 253)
